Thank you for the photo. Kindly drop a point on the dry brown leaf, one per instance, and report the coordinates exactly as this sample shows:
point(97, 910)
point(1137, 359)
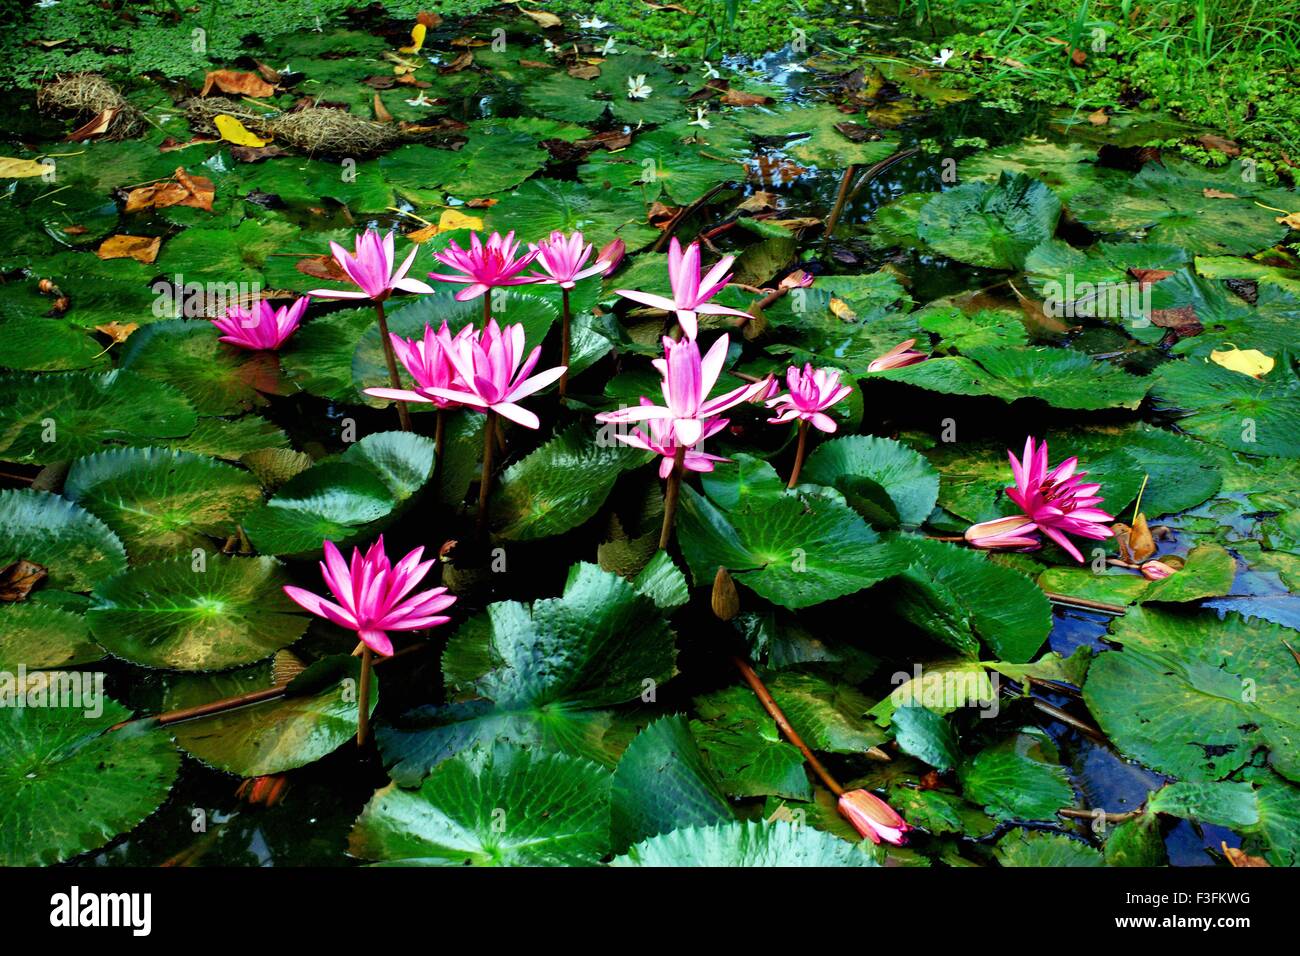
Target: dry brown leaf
point(541, 18)
point(381, 113)
point(1239, 857)
point(481, 203)
point(535, 65)
point(796, 224)
point(677, 7)
point(1209, 193)
point(118, 332)
point(1135, 543)
point(1182, 320)
point(96, 126)
point(430, 20)
point(321, 267)
point(740, 98)
point(140, 248)
point(171, 144)
point(463, 60)
point(1099, 118)
point(1078, 57)
point(1225, 146)
point(237, 82)
point(183, 189)
point(1149, 277)
point(584, 71)
point(1291, 220)
point(408, 79)
point(758, 201)
point(468, 42)
point(660, 215)
point(17, 580)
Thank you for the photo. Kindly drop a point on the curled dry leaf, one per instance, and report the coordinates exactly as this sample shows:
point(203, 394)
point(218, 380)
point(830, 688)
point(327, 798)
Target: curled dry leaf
point(183, 189)
point(239, 83)
point(464, 60)
point(542, 18)
point(1210, 193)
point(18, 580)
point(740, 98)
point(1135, 543)
point(140, 248)
point(117, 332)
point(97, 125)
point(381, 112)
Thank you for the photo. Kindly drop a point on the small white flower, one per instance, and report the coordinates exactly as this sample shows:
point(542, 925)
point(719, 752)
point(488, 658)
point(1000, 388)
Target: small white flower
point(548, 46)
point(666, 54)
point(608, 48)
point(943, 57)
point(700, 121)
point(420, 100)
point(636, 87)
point(709, 72)
point(593, 22)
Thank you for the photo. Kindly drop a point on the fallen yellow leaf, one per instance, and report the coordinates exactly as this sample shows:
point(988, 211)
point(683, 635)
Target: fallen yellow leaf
point(451, 219)
point(417, 39)
point(11, 168)
point(1291, 220)
point(233, 131)
point(541, 18)
point(140, 248)
point(1250, 362)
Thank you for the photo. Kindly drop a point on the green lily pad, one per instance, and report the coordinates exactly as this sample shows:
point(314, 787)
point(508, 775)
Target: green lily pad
point(662, 784)
point(794, 551)
point(1194, 696)
point(39, 636)
point(172, 614)
point(743, 747)
point(68, 784)
point(962, 597)
point(1068, 168)
point(541, 206)
point(318, 357)
point(811, 135)
point(1029, 848)
point(500, 807)
point(1256, 416)
point(316, 716)
point(885, 482)
point(658, 163)
point(539, 675)
point(927, 736)
point(76, 548)
point(1018, 779)
point(63, 415)
point(744, 844)
point(345, 499)
point(1221, 804)
point(217, 378)
point(160, 501)
point(491, 160)
point(992, 225)
point(558, 486)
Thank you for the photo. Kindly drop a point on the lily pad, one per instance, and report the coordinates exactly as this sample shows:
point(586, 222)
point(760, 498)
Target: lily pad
point(171, 614)
point(992, 225)
point(40, 636)
point(1018, 779)
point(69, 784)
point(500, 807)
point(744, 844)
point(1259, 417)
point(160, 501)
point(316, 716)
point(76, 548)
point(885, 482)
point(63, 415)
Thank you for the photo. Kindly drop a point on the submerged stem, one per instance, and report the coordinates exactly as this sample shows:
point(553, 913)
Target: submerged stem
point(838, 209)
point(671, 493)
point(485, 478)
point(798, 454)
point(390, 359)
point(363, 697)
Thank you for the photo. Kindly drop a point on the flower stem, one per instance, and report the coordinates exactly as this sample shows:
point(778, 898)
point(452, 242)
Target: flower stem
point(487, 308)
point(485, 479)
point(564, 344)
point(774, 711)
point(798, 454)
point(403, 413)
point(363, 697)
point(670, 497)
point(838, 209)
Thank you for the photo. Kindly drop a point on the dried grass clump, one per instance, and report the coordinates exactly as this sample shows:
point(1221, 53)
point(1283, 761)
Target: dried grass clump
point(201, 111)
point(319, 129)
point(86, 95)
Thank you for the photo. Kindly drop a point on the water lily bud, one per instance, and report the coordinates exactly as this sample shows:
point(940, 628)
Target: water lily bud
point(1157, 570)
point(873, 818)
point(725, 600)
point(797, 280)
point(1015, 533)
point(612, 253)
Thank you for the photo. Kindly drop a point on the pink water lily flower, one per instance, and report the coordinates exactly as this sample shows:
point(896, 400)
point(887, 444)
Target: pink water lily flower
point(428, 361)
point(1056, 500)
point(371, 268)
point(493, 373)
point(662, 440)
point(691, 293)
point(562, 259)
point(484, 267)
point(261, 327)
point(1157, 570)
point(687, 381)
point(900, 355)
point(812, 391)
point(873, 818)
point(374, 597)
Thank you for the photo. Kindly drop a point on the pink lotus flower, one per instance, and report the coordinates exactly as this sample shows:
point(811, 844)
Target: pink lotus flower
point(484, 266)
point(428, 361)
point(372, 595)
point(562, 259)
point(873, 818)
point(1015, 533)
point(662, 440)
point(1053, 501)
point(900, 355)
point(371, 268)
point(261, 327)
point(687, 381)
point(812, 391)
point(492, 372)
point(691, 293)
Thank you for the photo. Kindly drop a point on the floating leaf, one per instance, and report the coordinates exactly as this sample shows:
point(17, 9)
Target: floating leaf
point(1259, 417)
point(992, 225)
point(744, 844)
point(39, 636)
point(170, 614)
point(76, 548)
point(495, 807)
point(1018, 779)
point(885, 482)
